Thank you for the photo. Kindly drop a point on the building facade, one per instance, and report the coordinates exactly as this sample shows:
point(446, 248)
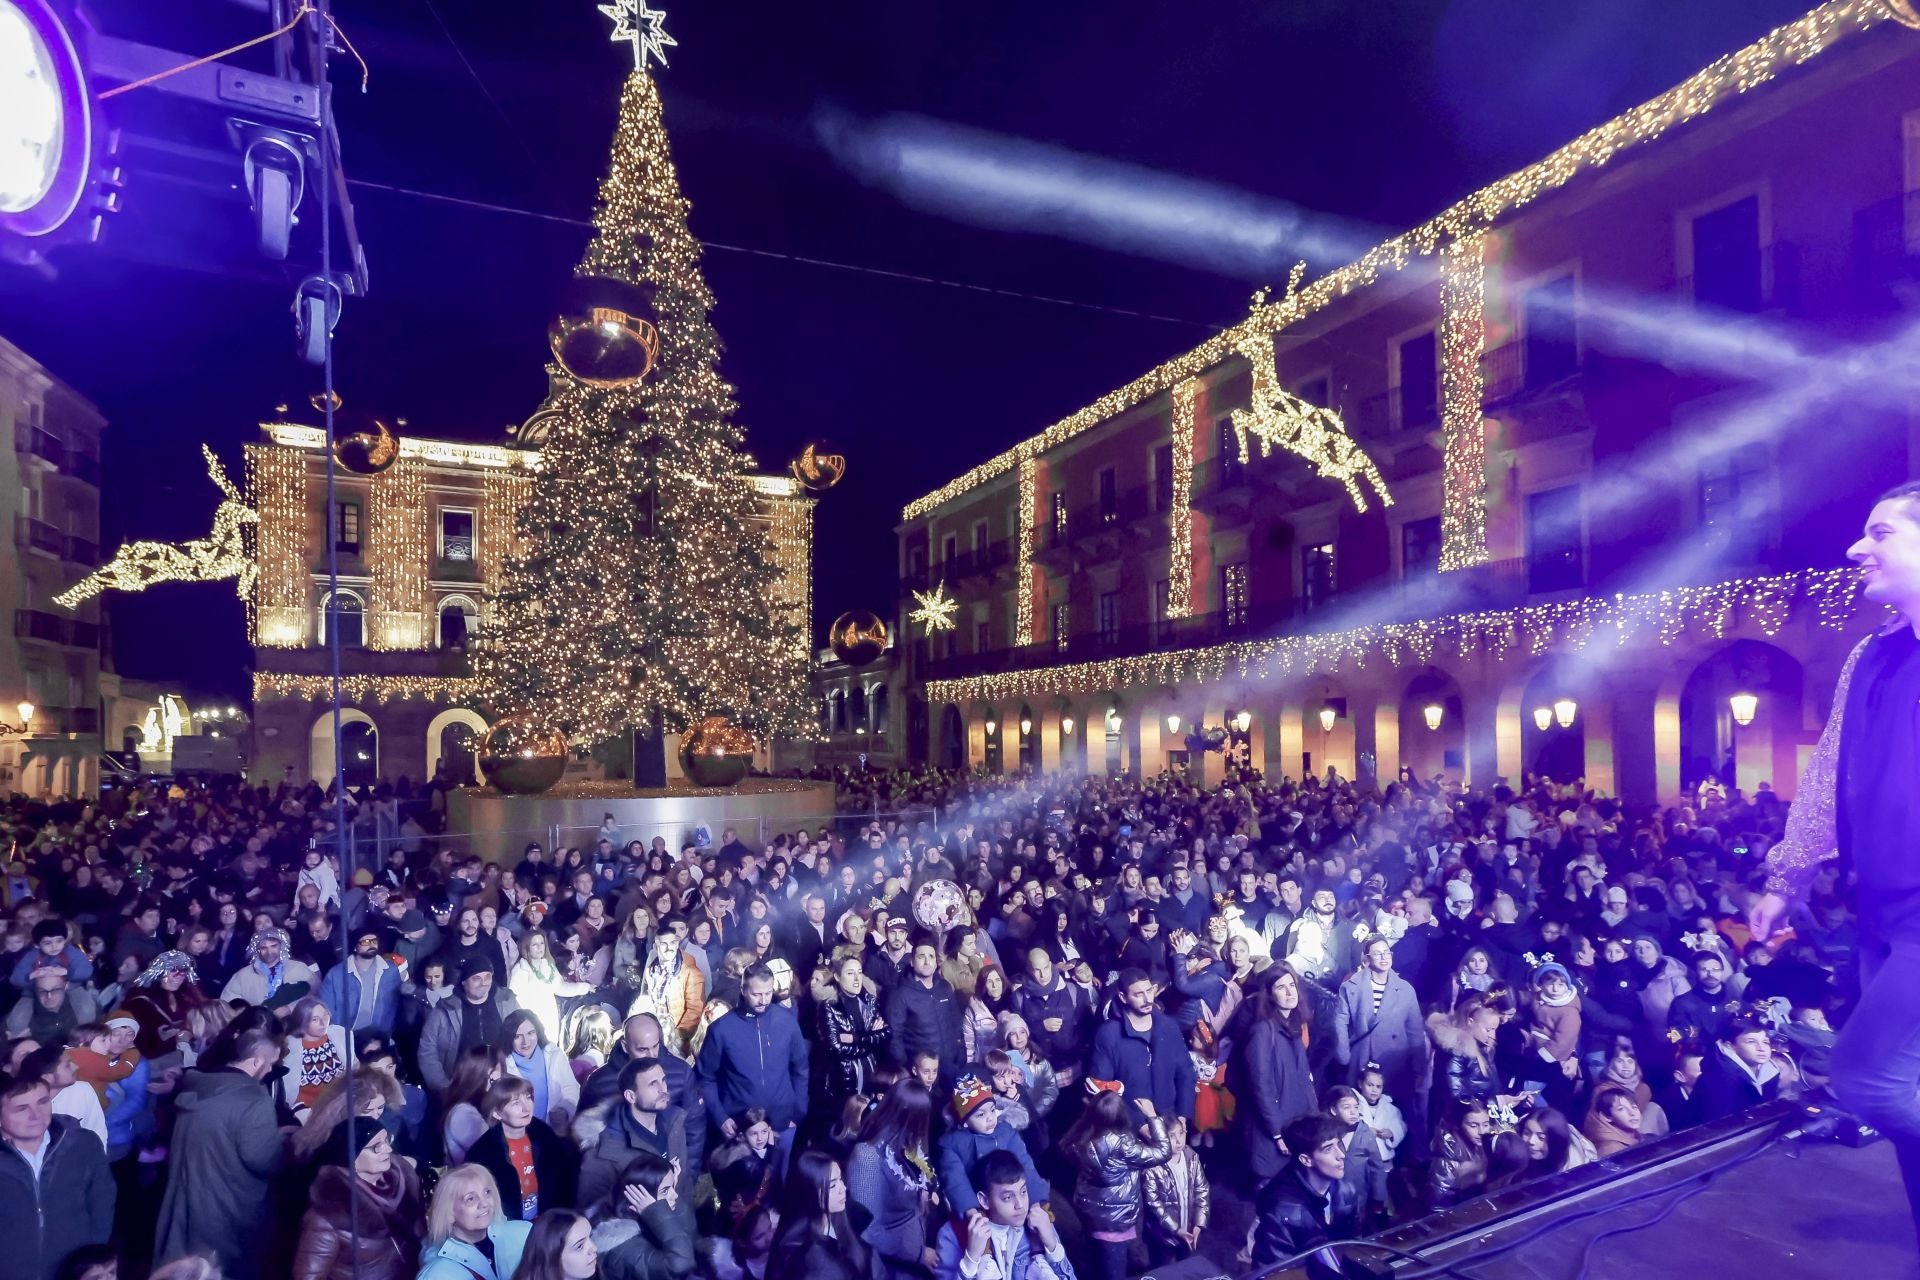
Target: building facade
point(52, 662)
point(420, 547)
point(1599, 437)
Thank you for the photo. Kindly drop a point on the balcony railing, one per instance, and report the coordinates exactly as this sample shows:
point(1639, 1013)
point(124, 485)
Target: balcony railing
point(37, 535)
point(1519, 367)
point(1126, 509)
point(980, 560)
point(1396, 409)
point(33, 624)
point(1886, 242)
point(81, 551)
point(66, 720)
point(39, 442)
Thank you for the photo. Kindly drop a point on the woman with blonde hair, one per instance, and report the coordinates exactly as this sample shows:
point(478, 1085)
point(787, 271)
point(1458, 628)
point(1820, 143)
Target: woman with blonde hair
point(468, 1238)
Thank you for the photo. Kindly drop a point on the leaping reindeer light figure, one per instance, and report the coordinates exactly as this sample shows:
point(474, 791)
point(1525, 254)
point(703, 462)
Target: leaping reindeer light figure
point(221, 554)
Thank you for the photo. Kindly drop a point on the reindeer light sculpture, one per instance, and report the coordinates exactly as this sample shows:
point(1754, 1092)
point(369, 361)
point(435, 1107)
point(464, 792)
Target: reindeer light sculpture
point(221, 554)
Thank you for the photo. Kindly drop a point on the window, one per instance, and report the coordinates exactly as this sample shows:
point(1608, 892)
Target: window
point(346, 527)
point(347, 615)
point(1735, 502)
point(980, 541)
point(1231, 466)
point(1552, 341)
point(916, 560)
point(1726, 257)
point(1420, 546)
point(1109, 495)
point(456, 534)
point(1163, 477)
point(1316, 576)
point(1233, 594)
point(456, 621)
point(1162, 601)
point(982, 636)
point(1554, 539)
point(1316, 391)
point(1418, 367)
point(1058, 501)
point(1060, 628)
point(1109, 617)
point(949, 551)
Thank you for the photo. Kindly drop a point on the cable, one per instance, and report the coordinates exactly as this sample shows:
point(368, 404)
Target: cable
point(487, 93)
point(1706, 1179)
point(905, 277)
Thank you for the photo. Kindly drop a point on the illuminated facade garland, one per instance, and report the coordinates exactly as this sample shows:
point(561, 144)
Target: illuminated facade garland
point(399, 551)
point(1186, 400)
point(793, 554)
point(1766, 602)
point(1723, 80)
point(1278, 419)
point(1463, 329)
point(1024, 584)
point(453, 690)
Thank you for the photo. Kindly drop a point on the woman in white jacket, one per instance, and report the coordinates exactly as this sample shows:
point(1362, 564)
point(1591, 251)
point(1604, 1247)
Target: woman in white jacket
point(538, 984)
point(530, 1056)
point(318, 1050)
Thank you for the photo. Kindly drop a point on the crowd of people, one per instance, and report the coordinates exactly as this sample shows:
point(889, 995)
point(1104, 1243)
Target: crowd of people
point(974, 1028)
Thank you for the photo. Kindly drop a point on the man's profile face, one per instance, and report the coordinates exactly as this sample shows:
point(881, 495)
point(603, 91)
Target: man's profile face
point(1888, 553)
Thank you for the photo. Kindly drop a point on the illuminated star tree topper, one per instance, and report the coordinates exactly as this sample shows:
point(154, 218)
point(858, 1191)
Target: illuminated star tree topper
point(645, 29)
point(936, 609)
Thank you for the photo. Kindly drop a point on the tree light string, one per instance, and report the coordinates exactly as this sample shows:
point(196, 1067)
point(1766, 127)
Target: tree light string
point(1463, 508)
point(1765, 602)
point(1186, 404)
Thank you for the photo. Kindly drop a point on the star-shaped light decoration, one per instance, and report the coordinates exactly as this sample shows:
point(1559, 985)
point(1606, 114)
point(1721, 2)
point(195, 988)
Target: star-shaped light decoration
point(936, 609)
point(643, 28)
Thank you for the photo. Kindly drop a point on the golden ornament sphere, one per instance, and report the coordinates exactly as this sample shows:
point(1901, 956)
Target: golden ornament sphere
point(367, 452)
point(858, 637)
point(818, 468)
point(606, 334)
point(715, 752)
point(522, 758)
point(1905, 12)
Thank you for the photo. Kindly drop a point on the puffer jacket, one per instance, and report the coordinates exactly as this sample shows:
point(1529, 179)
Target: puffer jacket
point(382, 1244)
point(1461, 1069)
point(1458, 1170)
point(454, 1259)
point(1108, 1195)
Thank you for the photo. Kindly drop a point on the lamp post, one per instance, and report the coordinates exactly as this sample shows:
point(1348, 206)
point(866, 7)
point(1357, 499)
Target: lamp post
point(25, 726)
point(1564, 710)
point(1744, 707)
point(1542, 718)
point(1434, 713)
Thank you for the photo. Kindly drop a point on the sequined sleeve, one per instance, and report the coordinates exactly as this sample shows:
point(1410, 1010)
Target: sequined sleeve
point(1811, 836)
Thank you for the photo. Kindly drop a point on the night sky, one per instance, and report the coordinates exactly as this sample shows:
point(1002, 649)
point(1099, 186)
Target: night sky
point(1373, 115)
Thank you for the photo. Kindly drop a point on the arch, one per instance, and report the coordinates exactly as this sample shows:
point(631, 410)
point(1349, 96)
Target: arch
point(1429, 752)
point(952, 751)
point(1027, 728)
point(352, 615)
point(438, 743)
point(1327, 742)
point(880, 708)
point(839, 700)
point(1767, 749)
point(320, 742)
point(456, 615)
point(857, 708)
point(1557, 751)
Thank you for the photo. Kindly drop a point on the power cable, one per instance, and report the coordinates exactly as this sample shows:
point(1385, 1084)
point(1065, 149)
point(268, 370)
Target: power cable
point(486, 92)
point(905, 277)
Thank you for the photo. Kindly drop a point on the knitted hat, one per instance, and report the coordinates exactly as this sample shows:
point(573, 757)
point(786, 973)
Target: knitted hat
point(349, 1139)
point(1550, 969)
point(968, 1095)
point(474, 964)
point(121, 1018)
point(1459, 891)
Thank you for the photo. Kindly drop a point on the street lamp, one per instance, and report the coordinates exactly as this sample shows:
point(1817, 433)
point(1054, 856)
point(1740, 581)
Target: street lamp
point(1434, 713)
point(1066, 725)
point(993, 726)
point(1173, 722)
point(26, 721)
point(1542, 717)
point(1564, 711)
point(1026, 726)
point(1744, 706)
point(1243, 721)
point(1113, 720)
point(1327, 717)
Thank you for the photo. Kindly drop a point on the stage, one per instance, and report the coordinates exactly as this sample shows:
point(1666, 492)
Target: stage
point(498, 827)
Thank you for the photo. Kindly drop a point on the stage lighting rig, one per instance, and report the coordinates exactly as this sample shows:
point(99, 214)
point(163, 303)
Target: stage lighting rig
point(120, 134)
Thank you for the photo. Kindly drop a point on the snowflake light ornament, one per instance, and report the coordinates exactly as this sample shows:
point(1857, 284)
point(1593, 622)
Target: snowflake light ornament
point(936, 609)
point(643, 28)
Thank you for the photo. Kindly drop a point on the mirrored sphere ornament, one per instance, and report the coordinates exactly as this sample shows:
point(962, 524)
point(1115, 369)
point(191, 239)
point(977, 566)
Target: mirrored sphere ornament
point(522, 758)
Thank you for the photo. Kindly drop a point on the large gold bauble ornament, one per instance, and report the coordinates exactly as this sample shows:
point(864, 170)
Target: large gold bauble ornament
point(818, 468)
point(606, 334)
point(368, 451)
point(715, 752)
point(1905, 12)
point(522, 758)
point(858, 637)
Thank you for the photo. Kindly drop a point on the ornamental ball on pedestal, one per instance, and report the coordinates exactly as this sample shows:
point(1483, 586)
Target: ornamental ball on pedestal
point(715, 752)
point(522, 758)
point(607, 333)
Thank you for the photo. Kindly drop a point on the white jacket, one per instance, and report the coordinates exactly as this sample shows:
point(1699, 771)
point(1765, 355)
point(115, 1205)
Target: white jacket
point(563, 1090)
point(540, 997)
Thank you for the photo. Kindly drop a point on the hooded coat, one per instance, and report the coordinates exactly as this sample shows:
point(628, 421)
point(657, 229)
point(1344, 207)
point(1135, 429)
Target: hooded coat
point(226, 1145)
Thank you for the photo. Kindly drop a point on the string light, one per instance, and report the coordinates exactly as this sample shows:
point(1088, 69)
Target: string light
point(640, 596)
point(1766, 603)
point(453, 690)
point(398, 551)
point(1463, 508)
point(936, 609)
point(1025, 583)
point(1279, 419)
point(1723, 80)
point(221, 554)
point(277, 482)
point(1186, 403)
point(792, 526)
point(502, 497)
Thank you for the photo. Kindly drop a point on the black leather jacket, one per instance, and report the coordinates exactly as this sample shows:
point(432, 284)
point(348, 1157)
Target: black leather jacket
point(1458, 1171)
point(1293, 1218)
point(849, 1064)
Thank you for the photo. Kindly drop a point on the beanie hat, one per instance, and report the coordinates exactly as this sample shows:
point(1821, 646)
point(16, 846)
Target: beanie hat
point(474, 964)
point(1550, 969)
point(968, 1095)
point(413, 921)
point(349, 1139)
point(1459, 891)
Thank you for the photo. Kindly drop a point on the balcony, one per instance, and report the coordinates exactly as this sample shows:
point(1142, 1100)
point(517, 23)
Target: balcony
point(1523, 367)
point(39, 442)
point(981, 560)
point(81, 551)
point(83, 467)
point(1394, 410)
point(1886, 246)
point(66, 720)
point(37, 535)
point(1126, 511)
point(33, 624)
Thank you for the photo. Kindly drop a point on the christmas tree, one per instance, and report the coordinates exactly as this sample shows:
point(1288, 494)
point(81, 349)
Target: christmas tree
point(641, 593)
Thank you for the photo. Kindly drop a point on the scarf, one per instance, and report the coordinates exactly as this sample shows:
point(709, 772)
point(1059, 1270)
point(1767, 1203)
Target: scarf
point(274, 974)
point(1556, 1002)
point(533, 1069)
